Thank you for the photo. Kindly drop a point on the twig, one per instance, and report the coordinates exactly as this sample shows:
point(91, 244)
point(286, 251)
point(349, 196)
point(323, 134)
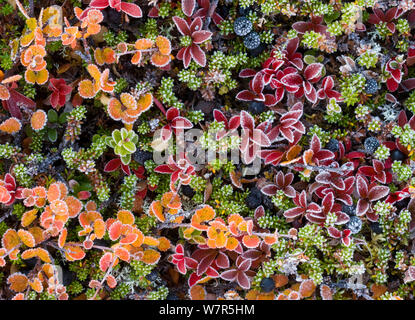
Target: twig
point(342, 169)
point(211, 10)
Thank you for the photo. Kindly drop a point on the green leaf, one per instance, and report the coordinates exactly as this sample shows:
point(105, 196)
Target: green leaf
point(129, 146)
point(110, 142)
point(126, 159)
point(309, 59)
point(52, 116)
point(328, 18)
point(63, 117)
point(52, 134)
point(124, 134)
point(116, 135)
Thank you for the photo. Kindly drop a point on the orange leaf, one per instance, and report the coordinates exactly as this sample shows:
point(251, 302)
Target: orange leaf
point(164, 45)
point(11, 125)
point(251, 241)
point(157, 210)
point(280, 280)
point(36, 285)
point(378, 290)
point(27, 238)
point(325, 292)
point(74, 206)
point(126, 217)
point(150, 241)
point(307, 288)
point(197, 292)
point(54, 192)
point(62, 238)
point(28, 254)
point(28, 217)
point(99, 228)
point(18, 282)
point(231, 243)
point(43, 255)
point(10, 239)
point(164, 244)
point(73, 252)
point(37, 233)
point(4, 93)
point(160, 60)
point(122, 253)
point(86, 89)
point(38, 120)
point(143, 44)
point(150, 256)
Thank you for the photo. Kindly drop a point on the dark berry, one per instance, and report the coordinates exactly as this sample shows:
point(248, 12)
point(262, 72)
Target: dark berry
point(402, 204)
point(267, 202)
point(30, 263)
point(256, 107)
point(354, 224)
point(252, 40)
point(333, 145)
point(267, 284)
point(257, 51)
point(254, 198)
point(102, 242)
point(371, 144)
point(244, 11)
point(223, 11)
point(67, 276)
point(188, 191)
point(376, 228)
point(397, 155)
point(242, 26)
point(371, 86)
point(142, 156)
point(342, 284)
point(172, 296)
point(349, 210)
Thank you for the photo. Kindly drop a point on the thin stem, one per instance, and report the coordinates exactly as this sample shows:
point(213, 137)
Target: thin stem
point(160, 106)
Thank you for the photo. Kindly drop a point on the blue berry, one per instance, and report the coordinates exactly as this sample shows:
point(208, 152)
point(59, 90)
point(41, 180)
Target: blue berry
point(142, 156)
point(354, 224)
point(349, 210)
point(371, 86)
point(267, 284)
point(252, 40)
point(333, 145)
point(397, 155)
point(242, 26)
point(256, 107)
point(371, 144)
point(376, 228)
point(187, 191)
point(254, 199)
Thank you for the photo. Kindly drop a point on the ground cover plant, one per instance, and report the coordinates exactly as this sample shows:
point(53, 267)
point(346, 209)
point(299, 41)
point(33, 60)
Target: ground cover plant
point(207, 149)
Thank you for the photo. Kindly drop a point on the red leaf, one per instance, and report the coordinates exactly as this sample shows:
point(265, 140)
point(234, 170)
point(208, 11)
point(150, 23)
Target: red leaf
point(247, 73)
point(229, 275)
point(198, 54)
point(313, 71)
point(201, 36)
point(181, 123)
point(131, 9)
point(269, 190)
point(188, 6)
point(245, 95)
point(333, 232)
point(378, 192)
point(112, 165)
point(182, 25)
point(243, 280)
